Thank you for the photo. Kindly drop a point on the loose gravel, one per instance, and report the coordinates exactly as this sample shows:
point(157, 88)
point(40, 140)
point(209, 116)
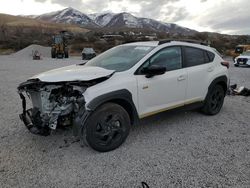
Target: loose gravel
point(30, 50)
point(172, 149)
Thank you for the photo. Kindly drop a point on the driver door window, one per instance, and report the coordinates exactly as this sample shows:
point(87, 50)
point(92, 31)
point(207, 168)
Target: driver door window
point(169, 58)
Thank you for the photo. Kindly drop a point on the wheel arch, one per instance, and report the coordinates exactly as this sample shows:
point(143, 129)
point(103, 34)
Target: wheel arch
point(221, 80)
point(121, 97)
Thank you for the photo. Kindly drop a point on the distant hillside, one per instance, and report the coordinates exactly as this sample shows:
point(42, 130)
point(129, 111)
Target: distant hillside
point(18, 21)
point(18, 32)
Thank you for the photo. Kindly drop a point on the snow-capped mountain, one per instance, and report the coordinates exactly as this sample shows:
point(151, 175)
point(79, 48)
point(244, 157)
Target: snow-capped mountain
point(68, 15)
point(101, 19)
point(124, 20)
point(111, 20)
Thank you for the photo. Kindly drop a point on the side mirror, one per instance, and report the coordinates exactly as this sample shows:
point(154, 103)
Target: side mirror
point(153, 70)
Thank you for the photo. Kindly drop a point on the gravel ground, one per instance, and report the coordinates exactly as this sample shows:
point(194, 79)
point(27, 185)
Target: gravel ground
point(30, 50)
point(172, 149)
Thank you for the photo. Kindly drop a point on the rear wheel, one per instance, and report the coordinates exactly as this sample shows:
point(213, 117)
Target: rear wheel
point(214, 100)
point(66, 54)
point(107, 128)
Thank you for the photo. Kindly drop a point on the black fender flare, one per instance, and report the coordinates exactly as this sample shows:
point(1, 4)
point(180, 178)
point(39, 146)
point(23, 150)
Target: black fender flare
point(222, 80)
point(122, 97)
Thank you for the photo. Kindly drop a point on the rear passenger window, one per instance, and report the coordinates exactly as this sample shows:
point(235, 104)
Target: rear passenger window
point(206, 57)
point(195, 56)
point(211, 56)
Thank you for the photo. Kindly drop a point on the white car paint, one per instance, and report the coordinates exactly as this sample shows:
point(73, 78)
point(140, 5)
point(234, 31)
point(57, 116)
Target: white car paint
point(169, 90)
point(119, 81)
point(201, 76)
point(244, 57)
point(73, 73)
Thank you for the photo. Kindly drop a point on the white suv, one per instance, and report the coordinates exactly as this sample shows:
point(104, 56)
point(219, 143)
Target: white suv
point(108, 94)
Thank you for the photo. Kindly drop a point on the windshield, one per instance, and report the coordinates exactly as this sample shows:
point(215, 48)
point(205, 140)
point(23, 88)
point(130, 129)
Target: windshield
point(120, 58)
point(88, 50)
point(246, 53)
point(58, 39)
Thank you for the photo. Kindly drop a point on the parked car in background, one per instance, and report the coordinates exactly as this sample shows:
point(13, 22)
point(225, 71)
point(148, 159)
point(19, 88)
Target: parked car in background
point(243, 59)
point(88, 53)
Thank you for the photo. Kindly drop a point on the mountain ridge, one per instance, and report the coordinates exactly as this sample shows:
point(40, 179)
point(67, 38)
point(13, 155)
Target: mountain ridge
point(111, 20)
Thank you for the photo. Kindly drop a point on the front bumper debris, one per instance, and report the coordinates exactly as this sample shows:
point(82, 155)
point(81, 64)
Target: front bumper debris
point(30, 118)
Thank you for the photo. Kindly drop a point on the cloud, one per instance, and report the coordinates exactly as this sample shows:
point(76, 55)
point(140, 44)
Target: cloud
point(163, 10)
point(86, 6)
point(231, 16)
point(174, 14)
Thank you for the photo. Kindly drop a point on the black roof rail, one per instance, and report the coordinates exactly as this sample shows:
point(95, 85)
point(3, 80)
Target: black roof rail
point(183, 40)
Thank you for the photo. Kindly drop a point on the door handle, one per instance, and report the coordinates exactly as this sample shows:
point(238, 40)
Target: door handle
point(210, 69)
point(180, 78)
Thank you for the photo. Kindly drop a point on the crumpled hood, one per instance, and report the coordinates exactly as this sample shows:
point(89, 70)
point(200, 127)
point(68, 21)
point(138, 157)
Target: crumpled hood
point(73, 73)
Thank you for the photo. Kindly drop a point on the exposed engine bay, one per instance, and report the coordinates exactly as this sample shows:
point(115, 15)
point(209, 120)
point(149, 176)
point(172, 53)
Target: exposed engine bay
point(55, 105)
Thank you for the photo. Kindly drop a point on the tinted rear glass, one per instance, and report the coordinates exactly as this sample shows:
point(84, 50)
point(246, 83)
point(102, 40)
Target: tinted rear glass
point(206, 57)
point(211, 56)
point(194, 56)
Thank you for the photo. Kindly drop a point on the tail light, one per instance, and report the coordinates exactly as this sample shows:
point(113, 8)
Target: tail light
point(225, 63)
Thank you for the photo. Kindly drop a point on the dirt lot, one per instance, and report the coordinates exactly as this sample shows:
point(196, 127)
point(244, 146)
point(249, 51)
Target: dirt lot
point(173, 149)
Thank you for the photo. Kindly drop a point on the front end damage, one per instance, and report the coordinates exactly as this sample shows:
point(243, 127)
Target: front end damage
point(54, 105)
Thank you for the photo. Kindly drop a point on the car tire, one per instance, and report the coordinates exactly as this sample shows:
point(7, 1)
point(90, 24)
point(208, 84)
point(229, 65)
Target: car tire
point(214, 100)
point(236, 65)
point(53, 54)
point(107, 127)
point(66, 54)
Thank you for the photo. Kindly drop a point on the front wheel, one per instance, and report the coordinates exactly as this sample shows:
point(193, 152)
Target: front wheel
point(53, 54)
point(107, 128)
point(214, 100)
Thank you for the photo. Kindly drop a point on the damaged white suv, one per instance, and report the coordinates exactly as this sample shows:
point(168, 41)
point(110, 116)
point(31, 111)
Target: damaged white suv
point(105, 96)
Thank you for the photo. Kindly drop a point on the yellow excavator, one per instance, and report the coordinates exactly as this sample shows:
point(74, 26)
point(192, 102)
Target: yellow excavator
point(59, 45)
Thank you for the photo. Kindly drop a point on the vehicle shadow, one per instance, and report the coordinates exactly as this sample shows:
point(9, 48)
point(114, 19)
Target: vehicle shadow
point(168, 121)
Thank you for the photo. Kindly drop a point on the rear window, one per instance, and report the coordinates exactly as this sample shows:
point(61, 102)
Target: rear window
point(211, 56)
point(196, 56)
point(206, 57)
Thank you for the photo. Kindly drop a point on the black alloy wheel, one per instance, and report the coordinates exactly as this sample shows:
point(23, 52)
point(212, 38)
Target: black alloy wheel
point(214, 100)
point(108, 127)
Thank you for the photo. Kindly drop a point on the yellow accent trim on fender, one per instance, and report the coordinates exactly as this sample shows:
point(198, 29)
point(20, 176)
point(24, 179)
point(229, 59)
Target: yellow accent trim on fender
point(169, 108)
